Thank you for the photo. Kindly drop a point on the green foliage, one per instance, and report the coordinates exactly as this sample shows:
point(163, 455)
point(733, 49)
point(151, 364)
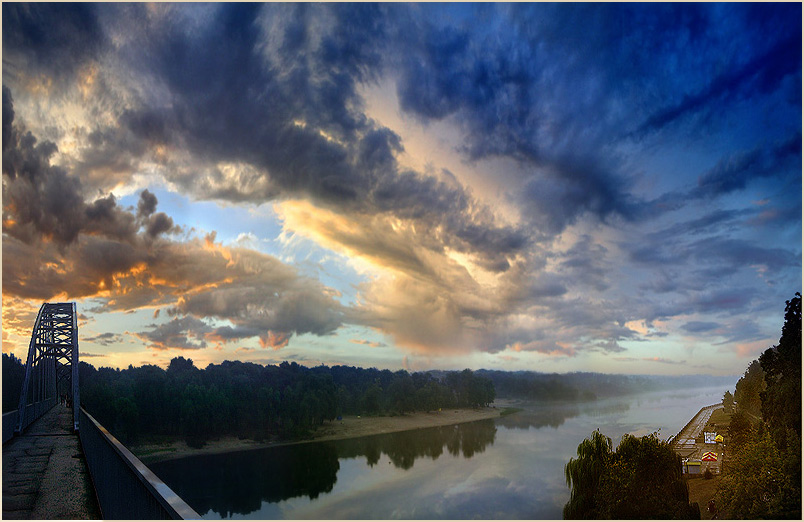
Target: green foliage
point(754, 484)
point(781, 401)
point(762, 476)
point(260, 402)
point(750, 385)
point(584, 475)
point(739, 430)
point(728, 402)
point(641, 479)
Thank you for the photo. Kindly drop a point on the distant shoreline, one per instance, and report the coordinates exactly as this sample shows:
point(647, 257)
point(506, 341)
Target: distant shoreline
point(350, 427)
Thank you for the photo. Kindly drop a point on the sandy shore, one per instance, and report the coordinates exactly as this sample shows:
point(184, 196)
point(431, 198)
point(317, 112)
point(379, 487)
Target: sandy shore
point(349, 427)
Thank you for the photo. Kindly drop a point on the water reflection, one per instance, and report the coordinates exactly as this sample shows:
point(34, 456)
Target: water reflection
point(536, 415)
point(403, 448)
point(238, 483)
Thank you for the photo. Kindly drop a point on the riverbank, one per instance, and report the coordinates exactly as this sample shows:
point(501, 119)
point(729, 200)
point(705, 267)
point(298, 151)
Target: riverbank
point(349, 427)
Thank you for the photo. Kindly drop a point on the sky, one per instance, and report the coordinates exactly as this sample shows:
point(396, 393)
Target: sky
point(550, 187)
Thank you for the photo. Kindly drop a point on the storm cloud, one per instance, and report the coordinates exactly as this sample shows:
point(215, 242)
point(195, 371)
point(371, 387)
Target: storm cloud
point(553, 179)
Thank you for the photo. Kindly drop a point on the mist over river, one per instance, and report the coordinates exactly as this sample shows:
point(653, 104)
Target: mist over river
point(506, 468)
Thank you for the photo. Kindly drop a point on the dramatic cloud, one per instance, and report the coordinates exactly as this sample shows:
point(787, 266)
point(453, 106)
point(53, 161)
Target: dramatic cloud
point(178, 333)
point(561, 181)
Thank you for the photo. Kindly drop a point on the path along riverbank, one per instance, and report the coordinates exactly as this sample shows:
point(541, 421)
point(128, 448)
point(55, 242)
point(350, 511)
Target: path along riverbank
point(349, 427)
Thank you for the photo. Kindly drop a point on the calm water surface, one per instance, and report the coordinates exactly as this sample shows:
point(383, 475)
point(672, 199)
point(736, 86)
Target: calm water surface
point(506, 468)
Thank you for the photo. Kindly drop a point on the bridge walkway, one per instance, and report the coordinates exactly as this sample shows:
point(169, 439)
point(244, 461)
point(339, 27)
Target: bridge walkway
point(45, 475)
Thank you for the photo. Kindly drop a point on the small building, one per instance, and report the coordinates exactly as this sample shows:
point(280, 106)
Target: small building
point(693, 467)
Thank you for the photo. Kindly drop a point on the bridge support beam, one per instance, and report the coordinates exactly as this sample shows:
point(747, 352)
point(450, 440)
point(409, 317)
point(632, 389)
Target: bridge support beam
point(52, 359)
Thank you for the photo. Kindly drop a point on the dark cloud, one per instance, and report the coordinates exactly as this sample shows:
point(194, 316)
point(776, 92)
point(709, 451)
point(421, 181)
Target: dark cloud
point(158, 223)
point(762, 73)
point(585, 263)
point(147, 204)
point(55, 38)
point(294, 119)
point(737, 170)
point(181, 333)
point(699, 326)
point(8, 118)
point(41, 200)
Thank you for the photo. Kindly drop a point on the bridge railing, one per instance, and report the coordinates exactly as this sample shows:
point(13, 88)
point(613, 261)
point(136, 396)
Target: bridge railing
point(32, 412)
point(125, 487)
point(9, 423)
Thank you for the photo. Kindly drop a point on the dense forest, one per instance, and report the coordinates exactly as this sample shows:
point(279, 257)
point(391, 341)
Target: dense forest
point(261, 402)
point(13, 375)
point(762, 472)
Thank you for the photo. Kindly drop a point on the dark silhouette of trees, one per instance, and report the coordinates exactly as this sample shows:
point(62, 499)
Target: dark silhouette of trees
point(762, 477)
point(13, 375)
point(248, 400)
point(641, 479)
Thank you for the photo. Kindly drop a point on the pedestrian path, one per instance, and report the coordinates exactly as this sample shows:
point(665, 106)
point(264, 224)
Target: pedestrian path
point(686, 446)
point(44, 472)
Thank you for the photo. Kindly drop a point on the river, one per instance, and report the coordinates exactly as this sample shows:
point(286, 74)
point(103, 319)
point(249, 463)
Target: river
point(506, 468)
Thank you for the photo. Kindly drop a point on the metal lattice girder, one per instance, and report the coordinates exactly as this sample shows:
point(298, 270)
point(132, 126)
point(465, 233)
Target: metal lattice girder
point(52, 359)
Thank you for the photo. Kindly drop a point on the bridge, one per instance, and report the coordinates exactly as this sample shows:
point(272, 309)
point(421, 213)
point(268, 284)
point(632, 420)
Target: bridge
point(58, 461)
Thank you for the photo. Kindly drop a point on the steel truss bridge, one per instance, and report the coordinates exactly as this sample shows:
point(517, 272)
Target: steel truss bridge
point(41, 437)
point(51, 371)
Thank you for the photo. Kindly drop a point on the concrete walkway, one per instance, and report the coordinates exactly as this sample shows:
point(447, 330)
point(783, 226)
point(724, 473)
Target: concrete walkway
point(44, 472)
point(686, 446)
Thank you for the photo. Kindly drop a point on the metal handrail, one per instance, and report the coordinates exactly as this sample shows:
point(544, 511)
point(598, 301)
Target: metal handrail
point(125, 487)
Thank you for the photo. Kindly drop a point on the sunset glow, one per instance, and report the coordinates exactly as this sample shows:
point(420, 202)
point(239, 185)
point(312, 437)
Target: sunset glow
point(549, 187)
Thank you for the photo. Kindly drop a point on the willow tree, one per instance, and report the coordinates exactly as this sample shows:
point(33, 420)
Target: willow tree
point(584, 474)
point(641, 479)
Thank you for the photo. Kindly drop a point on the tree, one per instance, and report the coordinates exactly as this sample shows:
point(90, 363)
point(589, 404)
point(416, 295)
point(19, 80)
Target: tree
point(763, 475)
point(584, 474)
point(753, 485)
point(750, 385)
point(641, 479)
point(781, 401)
point(728, 402)
point(739, 430)
point(644, 480)
point(13, 375)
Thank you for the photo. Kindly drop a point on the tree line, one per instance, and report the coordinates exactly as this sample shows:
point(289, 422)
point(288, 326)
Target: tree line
point(260, 402)
point(762, 474)
point(13, 376)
